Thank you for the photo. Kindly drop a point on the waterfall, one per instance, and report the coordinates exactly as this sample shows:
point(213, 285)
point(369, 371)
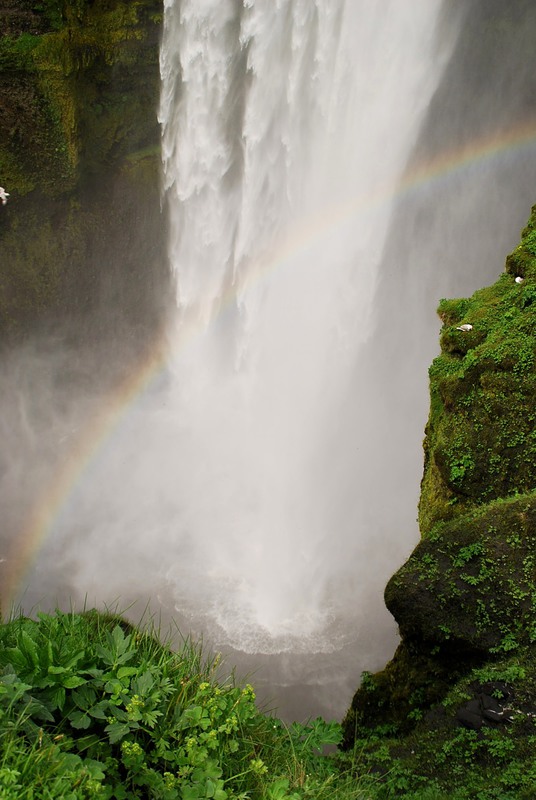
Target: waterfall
point(240, 489)
point(286, 125)
point(260, 488)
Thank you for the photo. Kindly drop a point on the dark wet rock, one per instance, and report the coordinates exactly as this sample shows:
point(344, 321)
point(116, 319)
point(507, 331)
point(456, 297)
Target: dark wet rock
point(485, 709)
point(470, 716)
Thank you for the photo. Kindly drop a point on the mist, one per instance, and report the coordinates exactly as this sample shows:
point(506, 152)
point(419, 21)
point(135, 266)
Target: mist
point(254, 473)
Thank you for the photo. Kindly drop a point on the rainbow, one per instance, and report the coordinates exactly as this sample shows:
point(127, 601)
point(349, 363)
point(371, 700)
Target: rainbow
point(41, 518)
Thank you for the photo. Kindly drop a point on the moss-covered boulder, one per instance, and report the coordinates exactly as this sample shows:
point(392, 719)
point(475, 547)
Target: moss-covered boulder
point(465, 601)
point(476, 743)
point(472, 582)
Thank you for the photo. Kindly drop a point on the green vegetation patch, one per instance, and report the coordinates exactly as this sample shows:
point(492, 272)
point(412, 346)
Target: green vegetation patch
point(481, 435)
point(78, 104)
point(63, 110)
point(453, 714)
point(477, 743)
point(472, 582)
point(92, 707)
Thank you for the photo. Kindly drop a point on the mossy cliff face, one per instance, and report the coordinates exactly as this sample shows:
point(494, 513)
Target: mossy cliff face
point(465, 601)
point(81, 234)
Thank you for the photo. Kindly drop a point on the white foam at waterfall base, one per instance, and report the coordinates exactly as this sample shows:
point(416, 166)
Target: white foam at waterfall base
point(285, 128)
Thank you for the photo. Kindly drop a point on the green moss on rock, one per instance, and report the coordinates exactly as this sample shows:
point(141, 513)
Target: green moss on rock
point(477, 743)
point(79, 91)
point(465, 601)
point(78, 95)
point(480, 439)
point(473, 582)
point(392, 700)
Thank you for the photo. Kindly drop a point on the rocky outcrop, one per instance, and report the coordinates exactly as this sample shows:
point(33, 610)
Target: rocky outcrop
point(81, 235)
point(465, 601)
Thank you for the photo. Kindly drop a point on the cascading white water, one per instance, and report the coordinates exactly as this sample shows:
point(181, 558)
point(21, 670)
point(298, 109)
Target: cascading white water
point(257, 490)
point(229, 493)
point(286, 124)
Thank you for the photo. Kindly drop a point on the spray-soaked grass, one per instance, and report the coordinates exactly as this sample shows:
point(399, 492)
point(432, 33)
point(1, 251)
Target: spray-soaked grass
point(92, 707)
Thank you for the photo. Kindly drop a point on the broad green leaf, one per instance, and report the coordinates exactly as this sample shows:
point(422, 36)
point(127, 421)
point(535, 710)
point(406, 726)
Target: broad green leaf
point(106, 655)
point(116, 731)
point(47, 657)
point(101, 710)
point(73, 682)
point(84, 697)
point(14, 656)
point(94, 768)
point(278, 790)
point(191, 793)
point(144, 683)
point(191, 717)
point(14, 688)
point(119, 639)
point(38, 710)
point(120, 793)
point(128, 656)
point(45, 682)
point(94, 672)
point(73, 661)
point(79, 720)
point(214, 789)
point(119, 713)
point(119, 643)
point(114, 687)
point(70, 761)
point(53, 670)
point(126, 672)
point(29, 649)
point(57, 697)
point(212, 770)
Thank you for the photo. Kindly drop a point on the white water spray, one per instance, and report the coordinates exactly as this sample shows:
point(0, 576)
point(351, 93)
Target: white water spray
point(286, 124)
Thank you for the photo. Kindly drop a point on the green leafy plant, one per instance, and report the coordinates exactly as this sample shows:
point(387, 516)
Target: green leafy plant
point(106, 710)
